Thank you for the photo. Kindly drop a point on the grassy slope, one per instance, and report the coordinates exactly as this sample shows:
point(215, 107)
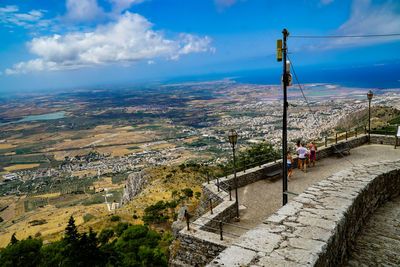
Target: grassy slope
point(380, 116)
point(160, 188)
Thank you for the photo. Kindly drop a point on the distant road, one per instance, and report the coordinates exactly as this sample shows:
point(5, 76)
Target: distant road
point(100, 140)
point(111, 145)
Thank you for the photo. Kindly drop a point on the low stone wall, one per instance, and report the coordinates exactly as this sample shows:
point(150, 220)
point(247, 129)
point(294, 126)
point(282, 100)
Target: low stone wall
point(382, 139)
point(316, 228)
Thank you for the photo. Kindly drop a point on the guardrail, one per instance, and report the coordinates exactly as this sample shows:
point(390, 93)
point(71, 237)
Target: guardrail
point(191, 220)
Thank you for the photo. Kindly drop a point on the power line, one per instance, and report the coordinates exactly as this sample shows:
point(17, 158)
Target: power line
point(345, 36)
point(308, 105)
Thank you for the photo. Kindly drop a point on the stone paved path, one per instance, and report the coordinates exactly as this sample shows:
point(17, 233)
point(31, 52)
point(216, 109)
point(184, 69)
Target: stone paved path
point(378, 243)
point(264, 197)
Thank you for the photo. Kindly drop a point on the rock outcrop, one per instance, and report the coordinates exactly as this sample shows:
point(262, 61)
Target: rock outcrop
point(134, 185)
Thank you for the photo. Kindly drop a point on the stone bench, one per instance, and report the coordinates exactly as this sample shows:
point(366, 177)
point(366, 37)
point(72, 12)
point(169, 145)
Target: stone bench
point(274, 173)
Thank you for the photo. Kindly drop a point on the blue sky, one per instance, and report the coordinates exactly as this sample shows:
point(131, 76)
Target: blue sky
point(65, 44)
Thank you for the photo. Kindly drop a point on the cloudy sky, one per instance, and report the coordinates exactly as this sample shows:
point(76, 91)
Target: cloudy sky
point(58, 44)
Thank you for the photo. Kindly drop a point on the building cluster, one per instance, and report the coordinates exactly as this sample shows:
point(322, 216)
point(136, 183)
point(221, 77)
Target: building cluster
point(255, 121)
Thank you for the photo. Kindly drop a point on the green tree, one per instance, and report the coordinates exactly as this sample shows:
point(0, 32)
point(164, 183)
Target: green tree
point(188, 192)
point(254, 155)
point(50, 255)
point(71, 232)
point(13, 240)
point(120, 228)
point(21, 253)
point(105, 235)
point(139, 246)
point(155, 213)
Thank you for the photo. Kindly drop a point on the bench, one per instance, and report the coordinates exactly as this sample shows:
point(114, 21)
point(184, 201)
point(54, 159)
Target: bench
point(274, 173)
point(340, 149)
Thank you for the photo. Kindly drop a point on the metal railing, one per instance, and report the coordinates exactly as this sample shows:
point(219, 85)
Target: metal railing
point(220, 223)
point(243, 165)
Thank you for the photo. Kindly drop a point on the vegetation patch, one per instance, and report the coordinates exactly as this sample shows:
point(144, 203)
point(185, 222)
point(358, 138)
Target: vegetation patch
point(136, 245)
point(88, 217)
point(37, 222)
point(133, 147)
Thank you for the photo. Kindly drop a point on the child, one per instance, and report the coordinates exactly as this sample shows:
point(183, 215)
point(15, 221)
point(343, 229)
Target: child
point(289, 165)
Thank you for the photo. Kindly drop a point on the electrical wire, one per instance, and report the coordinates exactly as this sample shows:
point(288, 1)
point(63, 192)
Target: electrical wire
point(308, 105)
point(346, 36)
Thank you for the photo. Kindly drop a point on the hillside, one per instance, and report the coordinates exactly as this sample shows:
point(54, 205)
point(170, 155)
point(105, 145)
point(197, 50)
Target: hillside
point(165, 184)
point(381, 116)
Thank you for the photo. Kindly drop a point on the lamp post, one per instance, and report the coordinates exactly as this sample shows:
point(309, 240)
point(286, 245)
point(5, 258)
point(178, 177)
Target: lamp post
point(369, 96)
point(232, 135)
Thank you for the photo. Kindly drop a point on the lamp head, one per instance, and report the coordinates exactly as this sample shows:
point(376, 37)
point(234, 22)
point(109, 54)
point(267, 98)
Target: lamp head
point(370, 95)
point(232, 135)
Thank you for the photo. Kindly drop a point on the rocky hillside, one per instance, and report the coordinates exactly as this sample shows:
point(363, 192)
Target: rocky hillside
point(380, 116)
point(134, 185)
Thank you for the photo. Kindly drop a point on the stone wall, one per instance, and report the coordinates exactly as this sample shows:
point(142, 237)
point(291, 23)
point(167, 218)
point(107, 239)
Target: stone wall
point(383, 139)
point(316, 228)
point(201, 243)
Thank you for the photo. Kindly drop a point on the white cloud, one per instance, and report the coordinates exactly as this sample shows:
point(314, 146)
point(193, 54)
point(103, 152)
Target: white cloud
point(83, 10)
point(368, 18)
point(89, 10)
point(9, 16)
point(222, 4)
point(120, 5)
point(9, 9)
point(129, 39)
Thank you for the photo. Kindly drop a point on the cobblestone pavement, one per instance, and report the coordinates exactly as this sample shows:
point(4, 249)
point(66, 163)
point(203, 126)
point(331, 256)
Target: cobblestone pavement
point(378, 243)
point(259, 200)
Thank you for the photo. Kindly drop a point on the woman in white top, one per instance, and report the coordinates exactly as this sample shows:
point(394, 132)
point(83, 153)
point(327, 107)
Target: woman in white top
point(303, 152)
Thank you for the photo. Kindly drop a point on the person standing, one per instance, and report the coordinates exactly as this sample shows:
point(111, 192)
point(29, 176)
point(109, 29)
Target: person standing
point(302, 151)
point(313, 153)
point(296, 146)
point(289, 165)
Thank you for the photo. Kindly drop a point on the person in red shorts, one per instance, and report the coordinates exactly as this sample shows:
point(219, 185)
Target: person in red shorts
point(313, 153)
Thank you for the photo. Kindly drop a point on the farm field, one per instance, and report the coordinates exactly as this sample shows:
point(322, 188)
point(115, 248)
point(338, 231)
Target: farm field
point(78, 163)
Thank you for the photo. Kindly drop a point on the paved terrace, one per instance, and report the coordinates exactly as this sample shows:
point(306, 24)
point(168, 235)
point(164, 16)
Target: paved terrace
point(317, 227)
point(261, 199)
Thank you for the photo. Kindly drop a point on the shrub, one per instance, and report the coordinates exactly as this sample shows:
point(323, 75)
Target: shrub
point(188, 192)
point(37, 222)
point(198, 195)
point(115, 218)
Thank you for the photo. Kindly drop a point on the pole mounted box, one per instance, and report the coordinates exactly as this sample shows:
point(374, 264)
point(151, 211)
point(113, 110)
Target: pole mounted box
point(279, 49)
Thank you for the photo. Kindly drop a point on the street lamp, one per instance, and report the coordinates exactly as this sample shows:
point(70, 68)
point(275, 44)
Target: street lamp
point(232, 135)
point(369, 96)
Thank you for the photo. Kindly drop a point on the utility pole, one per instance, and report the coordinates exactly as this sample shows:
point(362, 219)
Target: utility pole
point(284, 123)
